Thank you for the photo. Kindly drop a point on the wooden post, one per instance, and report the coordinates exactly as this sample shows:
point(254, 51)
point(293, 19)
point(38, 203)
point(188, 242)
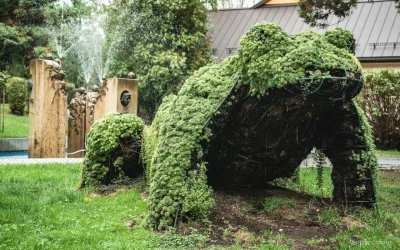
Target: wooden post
point(47, 111)
point(110, 99)
point(4, 104)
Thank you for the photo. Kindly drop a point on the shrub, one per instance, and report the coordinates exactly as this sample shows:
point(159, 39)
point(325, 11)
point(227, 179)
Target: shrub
point(380, 102)
point(17, 93)
point(112, 149)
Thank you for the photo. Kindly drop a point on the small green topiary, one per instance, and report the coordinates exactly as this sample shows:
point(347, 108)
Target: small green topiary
point(17, 93)
point(113, 148)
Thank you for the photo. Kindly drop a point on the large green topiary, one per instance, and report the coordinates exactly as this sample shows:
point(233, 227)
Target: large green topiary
point(253, 118)
point(241, 98)
point(113, 148)
point(17, 93)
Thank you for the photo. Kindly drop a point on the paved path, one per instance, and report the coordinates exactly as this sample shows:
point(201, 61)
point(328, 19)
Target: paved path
point(384, 162)
point(388, 162)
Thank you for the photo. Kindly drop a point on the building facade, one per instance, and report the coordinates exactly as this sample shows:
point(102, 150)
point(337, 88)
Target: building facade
point(375, 25)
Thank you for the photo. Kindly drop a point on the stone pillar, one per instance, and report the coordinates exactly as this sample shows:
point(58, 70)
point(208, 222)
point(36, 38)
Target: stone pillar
point(47, 110)
point(80, 120)
point(117, 95)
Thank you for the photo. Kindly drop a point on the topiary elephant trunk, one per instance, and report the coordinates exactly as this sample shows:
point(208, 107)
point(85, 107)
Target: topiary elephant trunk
point(254, 117)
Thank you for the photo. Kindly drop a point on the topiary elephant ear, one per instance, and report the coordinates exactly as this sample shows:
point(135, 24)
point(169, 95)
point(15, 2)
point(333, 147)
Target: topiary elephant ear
point(341, 38)
point(113, 149)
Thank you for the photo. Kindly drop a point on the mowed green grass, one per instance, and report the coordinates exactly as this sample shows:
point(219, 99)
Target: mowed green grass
point(370, 228)
point(388, 152)
point(40, 208)
point(14, 126)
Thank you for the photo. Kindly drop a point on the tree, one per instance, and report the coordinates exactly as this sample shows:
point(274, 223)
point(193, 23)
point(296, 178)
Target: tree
point(163, 42)
point(25, 30)
point(316, 12)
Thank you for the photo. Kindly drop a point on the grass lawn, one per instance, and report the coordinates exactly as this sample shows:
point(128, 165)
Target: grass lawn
point(388, 152)
point(14, 126)
point(40, 208)
point(365, 228)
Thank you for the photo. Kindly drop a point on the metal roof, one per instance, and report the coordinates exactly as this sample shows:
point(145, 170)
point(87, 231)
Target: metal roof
point(375, 25)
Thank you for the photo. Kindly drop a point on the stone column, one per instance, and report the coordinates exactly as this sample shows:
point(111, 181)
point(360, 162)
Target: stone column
point(47, 110)
point(117, 95)
point(80, 120)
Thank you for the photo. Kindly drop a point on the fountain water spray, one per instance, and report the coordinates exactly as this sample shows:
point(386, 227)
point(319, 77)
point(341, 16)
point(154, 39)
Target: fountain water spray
point(64, 36)
point(91, 49)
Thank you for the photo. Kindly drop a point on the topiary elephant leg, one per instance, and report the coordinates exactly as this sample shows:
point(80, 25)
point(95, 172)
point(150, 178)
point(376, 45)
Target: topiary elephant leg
point(347, 142)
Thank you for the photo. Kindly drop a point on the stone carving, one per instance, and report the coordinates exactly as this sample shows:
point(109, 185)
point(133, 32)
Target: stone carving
point(125, 98)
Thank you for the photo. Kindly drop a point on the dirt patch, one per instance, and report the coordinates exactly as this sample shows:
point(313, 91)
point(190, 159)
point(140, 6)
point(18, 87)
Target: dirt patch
point(122, 185)
point(352, 223)
point(391, 177)
point(110, 192)
point(131, 223)
point(239, 218)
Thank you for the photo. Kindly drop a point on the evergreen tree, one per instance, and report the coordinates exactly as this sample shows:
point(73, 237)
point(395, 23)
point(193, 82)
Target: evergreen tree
point(316, 12)
point(163, 42)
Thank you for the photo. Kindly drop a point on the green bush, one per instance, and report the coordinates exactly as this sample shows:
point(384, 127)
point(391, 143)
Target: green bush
point(380, 99)
point(113, 148)
point(17, 93)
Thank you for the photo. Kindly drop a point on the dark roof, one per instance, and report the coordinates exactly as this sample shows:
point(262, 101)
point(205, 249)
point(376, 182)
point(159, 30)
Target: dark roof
point(375, 25)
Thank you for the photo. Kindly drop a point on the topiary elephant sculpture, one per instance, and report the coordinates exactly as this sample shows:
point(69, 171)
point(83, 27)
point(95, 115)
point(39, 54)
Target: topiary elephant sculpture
point(254, 117)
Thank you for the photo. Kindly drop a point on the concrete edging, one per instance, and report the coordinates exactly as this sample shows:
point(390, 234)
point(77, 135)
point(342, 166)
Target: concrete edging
point(13, 144)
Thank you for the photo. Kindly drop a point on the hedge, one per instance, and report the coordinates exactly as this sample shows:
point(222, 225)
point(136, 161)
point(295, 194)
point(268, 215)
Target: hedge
point(17, 92)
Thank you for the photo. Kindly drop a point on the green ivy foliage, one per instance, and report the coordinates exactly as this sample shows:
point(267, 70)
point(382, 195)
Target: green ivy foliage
point(17, 93)
point(177, 131)
point(268, 58)
point(105, 138)
point(198, 202)
point(163, 42)
point(367, 156)
point(341, 38)
point(380, 98)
